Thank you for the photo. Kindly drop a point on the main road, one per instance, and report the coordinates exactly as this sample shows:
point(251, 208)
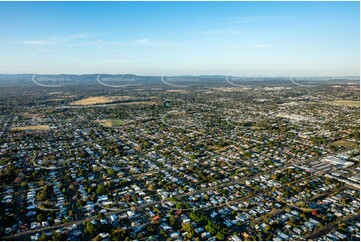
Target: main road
point(54, 227)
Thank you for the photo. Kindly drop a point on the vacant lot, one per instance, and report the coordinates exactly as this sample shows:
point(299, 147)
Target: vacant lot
point(344, 143)
point(30, 115)
point(140, 103)
point(100, 100)
point(93, 100)
point(346, 103)
point(179, 91)
point(31, 127)
point(113, 123)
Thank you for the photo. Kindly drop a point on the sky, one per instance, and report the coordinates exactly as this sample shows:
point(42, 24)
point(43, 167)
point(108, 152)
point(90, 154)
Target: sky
point(181, 38)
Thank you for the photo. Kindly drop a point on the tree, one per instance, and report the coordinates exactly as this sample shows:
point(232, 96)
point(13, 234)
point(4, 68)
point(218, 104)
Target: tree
point(211, 228)
point(111, 172)
point(267, 218)
point(303, 216)
point(90, 229)
point(118, 234)
point(43, 237)
point(40, 217)
point(151, 229)
point(57, 236)
point(172, 220)
point(266, 228)
point(220, 235)
point(100, 189)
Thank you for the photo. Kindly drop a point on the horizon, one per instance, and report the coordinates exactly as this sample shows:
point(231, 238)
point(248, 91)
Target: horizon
point(173, 38)
point(199, 75)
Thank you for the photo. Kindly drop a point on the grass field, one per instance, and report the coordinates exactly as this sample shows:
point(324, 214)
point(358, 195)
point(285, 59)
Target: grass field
point(140, 103)
point(119, 122)
point(93, 100)
point(344, 143)
point(113, 123)
point(32, 127)
point(111, 99)
point(30, 115)
point(346, 103)
point(179, 91)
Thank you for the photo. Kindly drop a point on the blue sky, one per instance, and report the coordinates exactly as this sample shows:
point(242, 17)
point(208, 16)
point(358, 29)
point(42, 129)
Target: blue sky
point(171, 38)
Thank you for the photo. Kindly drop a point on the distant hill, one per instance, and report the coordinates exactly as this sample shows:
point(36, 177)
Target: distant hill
point(90, 79)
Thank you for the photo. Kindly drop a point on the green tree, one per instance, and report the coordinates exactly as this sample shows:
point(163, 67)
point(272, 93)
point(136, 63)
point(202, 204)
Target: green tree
point(57, 236)
point(43, 237)
point(118, 234)
point(40, 217)
point(90, 229)
point(220, 235)
point(100, 189)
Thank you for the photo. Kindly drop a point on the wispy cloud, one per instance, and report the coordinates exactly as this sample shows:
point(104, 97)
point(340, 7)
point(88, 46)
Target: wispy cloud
point(138, 42)
point(141, 41)
point(78, 36)
point(252, 46)
point(35, 42)
point(116, 46)
point(82, 39)
point(124, 60)
point(42, 45)
point(53, 43)
point(257, 18)
point(221, 32)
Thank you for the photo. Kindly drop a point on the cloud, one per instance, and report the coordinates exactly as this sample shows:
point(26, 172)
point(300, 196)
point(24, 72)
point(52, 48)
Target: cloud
point(147, 42)
point(116, 46)
point(255, 17)
point(253, 46)
point(78, 36)
point(124, 60)
point(236, 46)
point(35, 42)
point(141, 41)
point(260, 18)
point(221, 32)
point(42, 45)
point(62, 40)
point(82, 39)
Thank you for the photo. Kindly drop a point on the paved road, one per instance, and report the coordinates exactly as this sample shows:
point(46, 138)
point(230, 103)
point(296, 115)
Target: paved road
point(332, 227)
point(25, 233)
point(30, 232)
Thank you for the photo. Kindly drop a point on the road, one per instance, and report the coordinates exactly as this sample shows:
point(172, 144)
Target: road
point(30, 232)
point(25, 233)
point(332, 227)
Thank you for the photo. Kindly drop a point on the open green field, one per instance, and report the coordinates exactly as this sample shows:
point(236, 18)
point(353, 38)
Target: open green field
point(113, 122)
point(345, 103)
point(344, 143)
